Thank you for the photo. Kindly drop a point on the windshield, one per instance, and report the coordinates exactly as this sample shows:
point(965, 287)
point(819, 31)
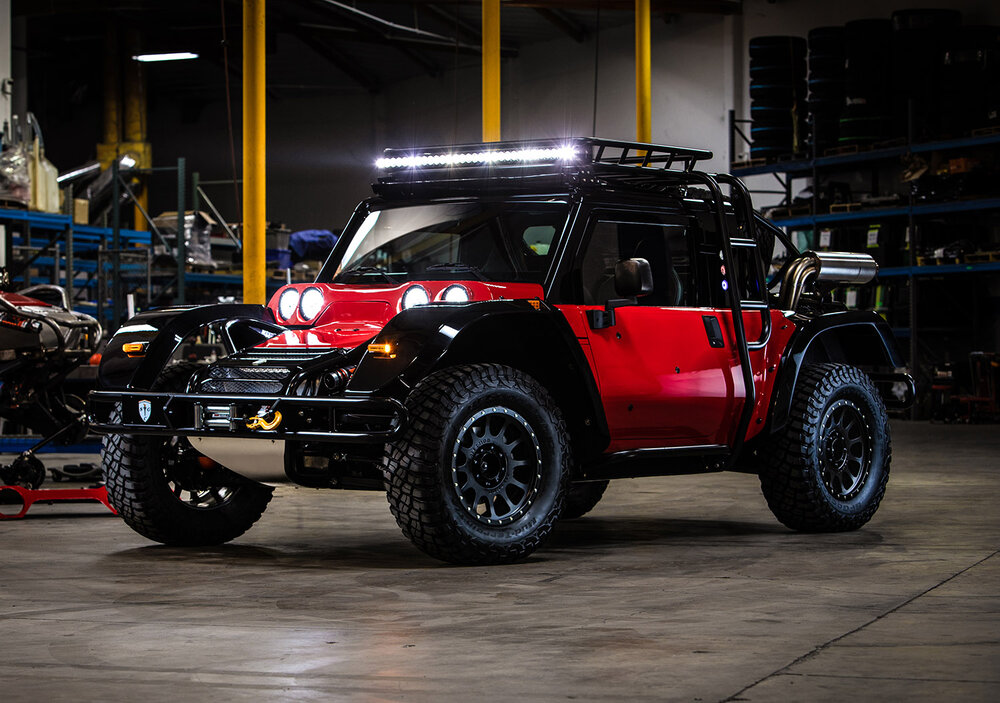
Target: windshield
point(486, 241)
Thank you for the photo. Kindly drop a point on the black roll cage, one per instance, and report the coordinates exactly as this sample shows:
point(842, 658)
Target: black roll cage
point(615, 169)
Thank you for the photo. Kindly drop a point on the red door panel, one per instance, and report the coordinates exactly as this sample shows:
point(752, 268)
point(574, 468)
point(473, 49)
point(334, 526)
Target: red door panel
point(661, 382)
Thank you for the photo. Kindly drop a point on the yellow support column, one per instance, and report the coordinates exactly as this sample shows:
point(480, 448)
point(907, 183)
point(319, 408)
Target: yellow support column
point(136, 130)
point(254, 154)
point(643, 74)
point(491, 70)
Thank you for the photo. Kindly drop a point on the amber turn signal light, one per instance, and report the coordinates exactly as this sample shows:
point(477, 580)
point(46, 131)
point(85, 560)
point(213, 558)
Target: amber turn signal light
point(135, 348)
point(382, 350)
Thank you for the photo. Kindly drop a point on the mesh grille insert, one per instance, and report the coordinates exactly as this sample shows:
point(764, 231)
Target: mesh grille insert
point(258, 373)
point(241, 386)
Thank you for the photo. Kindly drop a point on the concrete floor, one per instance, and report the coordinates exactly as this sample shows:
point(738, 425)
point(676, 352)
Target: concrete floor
point(672, 589)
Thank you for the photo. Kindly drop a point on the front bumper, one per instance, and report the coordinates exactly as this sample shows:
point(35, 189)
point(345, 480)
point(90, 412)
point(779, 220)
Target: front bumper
point(362, 420)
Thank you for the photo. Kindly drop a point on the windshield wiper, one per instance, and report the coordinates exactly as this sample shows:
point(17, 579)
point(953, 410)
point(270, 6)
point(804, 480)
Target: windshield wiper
point(364, 270)
point(458, 266)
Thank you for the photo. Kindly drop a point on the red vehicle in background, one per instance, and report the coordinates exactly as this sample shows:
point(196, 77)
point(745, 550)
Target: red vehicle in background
point(42, 342)
point(499, 332)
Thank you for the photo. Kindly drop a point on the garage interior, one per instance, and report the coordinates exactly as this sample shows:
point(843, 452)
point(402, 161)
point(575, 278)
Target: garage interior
point(865, 127)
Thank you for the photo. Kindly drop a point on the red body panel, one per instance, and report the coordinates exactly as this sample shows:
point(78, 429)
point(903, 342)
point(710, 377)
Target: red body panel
point(661, 382)
point(353, 314)
point(21, 300)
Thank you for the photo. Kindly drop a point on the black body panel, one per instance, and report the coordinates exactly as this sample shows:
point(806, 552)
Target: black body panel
point(512, 332)
point(856, 337)
point(164, 330)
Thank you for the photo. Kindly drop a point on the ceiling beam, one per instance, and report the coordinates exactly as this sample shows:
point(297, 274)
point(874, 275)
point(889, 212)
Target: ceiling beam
point(566, 23)
point(470, 31)
point(388, 31)
point(340, 60)
point(355, 34)
point(723, 7)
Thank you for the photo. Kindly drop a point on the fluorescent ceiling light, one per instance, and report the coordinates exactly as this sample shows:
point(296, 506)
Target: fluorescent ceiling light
point(178, 56)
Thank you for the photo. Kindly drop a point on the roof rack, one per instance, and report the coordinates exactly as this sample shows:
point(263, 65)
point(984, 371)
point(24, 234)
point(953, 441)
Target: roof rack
point(565, 154)
point(532, 166)
point(619, 153)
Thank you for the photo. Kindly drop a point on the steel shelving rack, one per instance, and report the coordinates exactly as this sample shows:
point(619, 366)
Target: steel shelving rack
point(911, 211)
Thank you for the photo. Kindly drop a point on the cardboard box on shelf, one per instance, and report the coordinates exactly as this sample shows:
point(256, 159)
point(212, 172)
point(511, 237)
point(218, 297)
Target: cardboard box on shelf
point(81, 211)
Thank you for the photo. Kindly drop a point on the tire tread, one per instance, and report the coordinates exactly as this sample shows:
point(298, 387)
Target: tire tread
point(414, 487)
point(787, 475)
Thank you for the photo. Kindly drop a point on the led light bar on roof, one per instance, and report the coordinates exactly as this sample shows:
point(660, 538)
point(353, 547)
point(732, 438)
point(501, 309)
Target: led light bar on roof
point(500, 156)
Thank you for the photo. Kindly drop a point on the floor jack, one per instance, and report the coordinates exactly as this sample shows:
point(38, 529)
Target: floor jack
point(26, 497)
point(27, 468)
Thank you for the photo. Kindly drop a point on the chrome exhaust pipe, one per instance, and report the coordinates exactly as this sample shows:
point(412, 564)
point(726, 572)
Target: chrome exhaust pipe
point(835, 268)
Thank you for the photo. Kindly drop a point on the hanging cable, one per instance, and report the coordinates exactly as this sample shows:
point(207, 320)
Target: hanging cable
point(597, 56)
point(229, 115)
point(454, 73)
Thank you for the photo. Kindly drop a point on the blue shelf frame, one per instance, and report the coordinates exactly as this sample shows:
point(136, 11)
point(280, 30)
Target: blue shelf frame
point(88, 238)
point(884, 212)
point(800, 168)
point(805, 166)
point(944, 269)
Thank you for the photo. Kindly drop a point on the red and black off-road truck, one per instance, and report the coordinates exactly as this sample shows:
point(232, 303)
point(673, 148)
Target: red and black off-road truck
point(501, 330)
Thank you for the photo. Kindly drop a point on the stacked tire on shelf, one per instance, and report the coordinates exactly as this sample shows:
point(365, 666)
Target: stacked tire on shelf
point(777, 93)
point(918, 45)
point(970, 75)
point(826, 86)
point(866, 117)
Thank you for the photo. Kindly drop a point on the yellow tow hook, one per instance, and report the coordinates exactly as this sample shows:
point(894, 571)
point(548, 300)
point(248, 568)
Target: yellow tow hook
point(259, 422)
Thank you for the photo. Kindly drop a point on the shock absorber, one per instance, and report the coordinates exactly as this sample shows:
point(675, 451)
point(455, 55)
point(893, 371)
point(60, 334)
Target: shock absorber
point(336, 380)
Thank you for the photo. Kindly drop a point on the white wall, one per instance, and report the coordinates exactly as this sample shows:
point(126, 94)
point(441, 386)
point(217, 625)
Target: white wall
point(548, 91)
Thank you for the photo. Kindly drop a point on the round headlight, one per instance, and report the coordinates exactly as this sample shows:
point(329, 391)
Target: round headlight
point(456, 294)
point(415, 295)
point(287, 303)
point(311, 303)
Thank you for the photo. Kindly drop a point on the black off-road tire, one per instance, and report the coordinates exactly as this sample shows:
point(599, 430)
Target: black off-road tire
point(142, 493)
point(582, 498)
point(827, 471)
point(439, 492)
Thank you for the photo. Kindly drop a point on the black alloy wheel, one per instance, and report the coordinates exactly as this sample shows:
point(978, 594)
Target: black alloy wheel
point(496, 465)
point(846, 449)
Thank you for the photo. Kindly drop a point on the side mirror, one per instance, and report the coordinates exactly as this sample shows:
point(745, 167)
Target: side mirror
point(633, 278)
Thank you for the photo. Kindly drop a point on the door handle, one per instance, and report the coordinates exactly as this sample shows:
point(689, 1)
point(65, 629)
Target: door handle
point(714, 331)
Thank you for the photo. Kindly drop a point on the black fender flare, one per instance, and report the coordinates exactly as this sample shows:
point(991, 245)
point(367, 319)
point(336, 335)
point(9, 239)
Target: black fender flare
point(857, 337)
point(538, 341)
point(164, 329)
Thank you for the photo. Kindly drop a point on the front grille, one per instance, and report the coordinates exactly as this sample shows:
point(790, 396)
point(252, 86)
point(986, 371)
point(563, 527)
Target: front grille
point(258, 373)
point(247, 387)
point(259, 370)
point(245, 379)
